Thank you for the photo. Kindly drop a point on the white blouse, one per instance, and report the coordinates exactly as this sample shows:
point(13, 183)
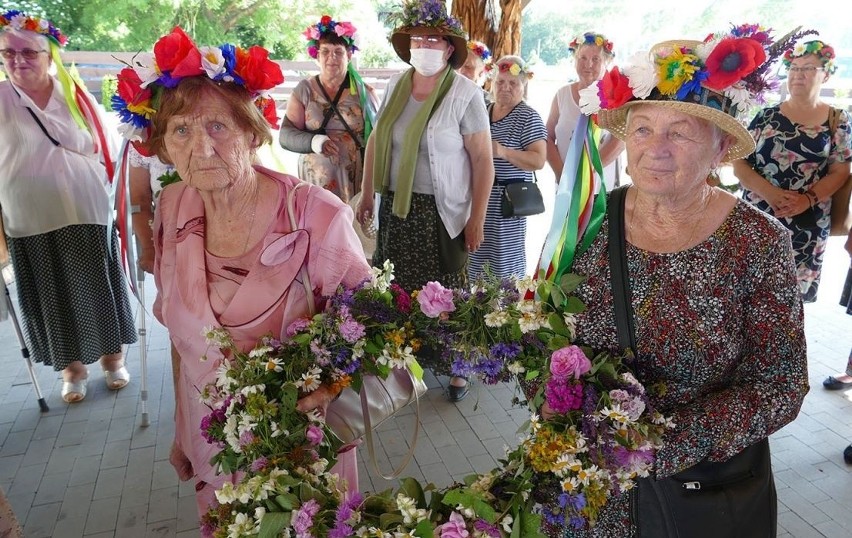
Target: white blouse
point(44, 187)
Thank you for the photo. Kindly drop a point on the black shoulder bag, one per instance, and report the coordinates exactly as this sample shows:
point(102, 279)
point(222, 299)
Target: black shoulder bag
point(519, 198)
point(733, 498)
point(334, 110)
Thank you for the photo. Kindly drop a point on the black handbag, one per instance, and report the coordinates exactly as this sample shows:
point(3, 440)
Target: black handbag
point(732, 498)
point(521, 199)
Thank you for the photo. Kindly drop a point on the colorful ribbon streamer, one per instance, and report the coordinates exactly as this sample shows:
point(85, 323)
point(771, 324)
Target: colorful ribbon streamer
point(580, 203)
point(357, 86)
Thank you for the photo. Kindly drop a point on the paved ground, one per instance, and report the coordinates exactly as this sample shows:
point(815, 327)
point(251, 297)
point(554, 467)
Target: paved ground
point(91, 470)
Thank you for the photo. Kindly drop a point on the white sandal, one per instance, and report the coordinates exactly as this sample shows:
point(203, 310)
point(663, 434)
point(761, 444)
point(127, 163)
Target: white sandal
point(74, 391)
point(117, 379)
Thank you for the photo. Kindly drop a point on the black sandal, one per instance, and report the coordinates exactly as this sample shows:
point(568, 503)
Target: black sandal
point(832, 383)
point(457, 394)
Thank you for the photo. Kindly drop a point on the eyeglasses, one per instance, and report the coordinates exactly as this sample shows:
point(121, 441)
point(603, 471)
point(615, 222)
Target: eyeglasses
point(335, 53)
point(806, 70)
point(28, 54)
point(426, 40)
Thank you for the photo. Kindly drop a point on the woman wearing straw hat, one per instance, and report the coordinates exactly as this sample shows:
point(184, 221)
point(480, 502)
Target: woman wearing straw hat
point(330, 116)
point(429, 157)
point(55, 210)
point(801, 160)
point(592, 53)
point(710, 289)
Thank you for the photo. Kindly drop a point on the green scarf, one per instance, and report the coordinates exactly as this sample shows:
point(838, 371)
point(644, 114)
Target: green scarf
point(407, 155)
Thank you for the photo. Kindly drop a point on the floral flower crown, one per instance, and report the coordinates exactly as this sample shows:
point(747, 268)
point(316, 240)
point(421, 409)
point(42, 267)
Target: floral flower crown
point(426, 13)
point(823, 52)
point(728, 71)
point(591, 38)
point(21, 21)
point(328, 26)
point(177, 57)
point(481, 50)
point(515, 69)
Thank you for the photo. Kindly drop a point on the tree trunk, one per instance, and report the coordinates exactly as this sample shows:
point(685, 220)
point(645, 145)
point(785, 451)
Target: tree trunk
point(497, 23)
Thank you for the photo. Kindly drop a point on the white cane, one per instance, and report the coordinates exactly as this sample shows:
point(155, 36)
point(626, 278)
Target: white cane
point(24, 351)
point(143, 344)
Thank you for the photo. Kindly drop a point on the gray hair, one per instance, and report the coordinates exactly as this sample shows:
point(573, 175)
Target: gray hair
point(26, 34)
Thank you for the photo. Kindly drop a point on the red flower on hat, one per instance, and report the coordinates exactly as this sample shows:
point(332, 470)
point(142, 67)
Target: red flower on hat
point(257, 70)
point(130, 88)
point(614, 89)
point(177, 55)
point(731, 60)
point(325, 20)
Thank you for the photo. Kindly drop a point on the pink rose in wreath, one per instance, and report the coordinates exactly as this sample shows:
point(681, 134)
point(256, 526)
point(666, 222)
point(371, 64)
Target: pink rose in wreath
point(435, 299)
point(569, 361)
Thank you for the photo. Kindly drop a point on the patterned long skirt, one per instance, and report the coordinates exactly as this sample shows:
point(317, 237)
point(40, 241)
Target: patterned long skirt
point(73, 295)
point(421, 250)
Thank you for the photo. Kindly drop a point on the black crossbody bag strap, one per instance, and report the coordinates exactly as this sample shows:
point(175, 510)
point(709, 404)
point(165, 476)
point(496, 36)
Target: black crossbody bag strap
point(54, 141)
point(618, 271)
point(335, 110)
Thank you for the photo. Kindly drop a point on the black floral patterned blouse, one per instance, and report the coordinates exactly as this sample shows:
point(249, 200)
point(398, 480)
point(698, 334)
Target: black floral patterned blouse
point(720, 326)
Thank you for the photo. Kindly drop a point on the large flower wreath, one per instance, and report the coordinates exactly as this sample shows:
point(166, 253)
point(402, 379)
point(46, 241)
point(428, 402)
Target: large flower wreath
point(602, 438)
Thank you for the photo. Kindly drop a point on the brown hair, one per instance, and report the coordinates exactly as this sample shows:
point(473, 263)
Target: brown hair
point(188, 92)
point(332, 39)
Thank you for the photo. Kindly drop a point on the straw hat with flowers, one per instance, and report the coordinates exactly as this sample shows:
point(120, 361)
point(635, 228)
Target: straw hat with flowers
point(717, 79)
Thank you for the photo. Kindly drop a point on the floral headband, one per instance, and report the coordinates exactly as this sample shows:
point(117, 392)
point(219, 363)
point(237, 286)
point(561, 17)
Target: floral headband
point(515, 69)
point(728, 71)
point(591, 38)
point(177, 57)
point(823, 52)
point(426, 13)
point(326, 27)
point(480, 49)
point(20, 21)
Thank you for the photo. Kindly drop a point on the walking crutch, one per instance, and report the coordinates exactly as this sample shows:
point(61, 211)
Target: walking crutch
point(24, 350)
point(143, 345)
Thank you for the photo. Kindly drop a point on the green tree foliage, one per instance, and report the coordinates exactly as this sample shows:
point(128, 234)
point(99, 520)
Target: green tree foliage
point(133, 25)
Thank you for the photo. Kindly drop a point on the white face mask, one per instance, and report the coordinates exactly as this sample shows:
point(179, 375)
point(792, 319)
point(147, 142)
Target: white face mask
point(427, 62)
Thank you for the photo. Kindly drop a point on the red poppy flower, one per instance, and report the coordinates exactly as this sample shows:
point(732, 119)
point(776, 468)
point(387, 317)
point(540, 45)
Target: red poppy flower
point(731, 60)
point(615, 89)
point(130, 87)
point(325, 20)
point(177, 55)
point(257, 70)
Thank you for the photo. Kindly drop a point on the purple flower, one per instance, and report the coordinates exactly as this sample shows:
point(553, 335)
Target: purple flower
point(563, 397)
point(303, 519)
point(259, 464)
point(633, 460)
point(492, 531)
point(351, 330)
point(314, 435)
point(341, 531)
point(454, 528)
point(435, 299)
point(505, 351)
point(297, 326)
point(246, 438)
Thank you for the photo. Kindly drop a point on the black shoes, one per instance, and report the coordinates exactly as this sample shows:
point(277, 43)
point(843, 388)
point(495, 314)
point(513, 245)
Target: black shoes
point(832, 383)
point(457, 394)
point(847, 454)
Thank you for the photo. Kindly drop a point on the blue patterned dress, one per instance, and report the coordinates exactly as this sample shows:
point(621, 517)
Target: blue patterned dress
point(794, 157)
